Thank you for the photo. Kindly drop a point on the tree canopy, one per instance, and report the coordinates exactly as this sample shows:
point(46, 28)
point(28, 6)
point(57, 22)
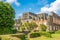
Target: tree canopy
point(29, 26)
point(7, 15)
point(43, 27)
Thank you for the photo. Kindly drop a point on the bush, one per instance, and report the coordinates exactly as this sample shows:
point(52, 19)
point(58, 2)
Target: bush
point(58, 32)
point(22, 37)
point(33, 35)
point(5, 31)
point(43, 27)
point(14, 31)
point(0, 38)
point(38, 34)
point(47, 34)
point(51, 32)
point(1, 31)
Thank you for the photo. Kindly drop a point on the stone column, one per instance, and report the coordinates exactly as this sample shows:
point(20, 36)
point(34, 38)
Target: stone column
point(54, 28)
point(50, 28)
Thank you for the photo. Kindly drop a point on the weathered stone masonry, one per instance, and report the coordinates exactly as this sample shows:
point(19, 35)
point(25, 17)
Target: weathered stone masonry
point(51, 21)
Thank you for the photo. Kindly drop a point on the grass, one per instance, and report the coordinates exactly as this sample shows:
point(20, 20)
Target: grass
point(8, 37)
point(54, 37)
point(40, 38)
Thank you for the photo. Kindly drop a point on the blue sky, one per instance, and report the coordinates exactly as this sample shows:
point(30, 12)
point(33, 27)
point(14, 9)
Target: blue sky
point(34, 6)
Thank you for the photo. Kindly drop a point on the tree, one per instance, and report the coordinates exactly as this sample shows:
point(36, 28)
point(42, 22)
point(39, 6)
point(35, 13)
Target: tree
point(7, 15)
point(22, 27)
point(32, 25)
point(29, 26)
point(43, 27)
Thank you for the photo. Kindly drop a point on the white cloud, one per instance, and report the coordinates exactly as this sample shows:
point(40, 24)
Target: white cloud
point(54, 6)
point(0, 0)
point(42, 2)
point(13, 1)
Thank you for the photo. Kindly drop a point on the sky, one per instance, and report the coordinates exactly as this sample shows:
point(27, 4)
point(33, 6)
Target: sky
point(34, 6)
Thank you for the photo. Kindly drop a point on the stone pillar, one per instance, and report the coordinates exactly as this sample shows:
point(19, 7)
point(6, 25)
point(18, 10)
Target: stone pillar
point(54, 28)
point(50, 28)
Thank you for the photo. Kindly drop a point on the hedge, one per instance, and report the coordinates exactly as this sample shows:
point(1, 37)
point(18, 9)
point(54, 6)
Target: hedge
point(51, 32)
point(0, 38)
point(57, 32)
point(34, 35)
point(47, 34)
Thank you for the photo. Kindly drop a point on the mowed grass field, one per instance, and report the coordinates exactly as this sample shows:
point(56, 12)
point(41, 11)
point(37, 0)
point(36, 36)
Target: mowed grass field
point(54, 37)
point(8, 37)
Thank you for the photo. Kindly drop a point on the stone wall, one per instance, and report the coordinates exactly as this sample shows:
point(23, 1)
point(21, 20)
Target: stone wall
point(53, 22)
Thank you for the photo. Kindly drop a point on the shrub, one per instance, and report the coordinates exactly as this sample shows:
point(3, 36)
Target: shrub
point(23, 37)
point(5, 31)
point(33, 35)
point(14, 31)
point(51, 32)
point(43, 27)
point(1, 31)
point(0, 38)
point(47, 34)
point(58, 32)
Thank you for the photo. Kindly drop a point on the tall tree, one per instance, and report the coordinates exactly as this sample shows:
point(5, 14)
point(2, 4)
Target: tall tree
point(30, 26)
point(7, 15)
point(43, 27)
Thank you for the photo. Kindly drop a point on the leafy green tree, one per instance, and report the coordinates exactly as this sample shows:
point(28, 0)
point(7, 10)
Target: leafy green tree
point(32, 25)
point(29, 26)
point(43, 27)
point(22, 27)
point(7, 15)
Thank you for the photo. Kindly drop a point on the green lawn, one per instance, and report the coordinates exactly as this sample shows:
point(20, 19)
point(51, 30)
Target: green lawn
point(40, 38)
point(8, 37)
point(54, 37)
